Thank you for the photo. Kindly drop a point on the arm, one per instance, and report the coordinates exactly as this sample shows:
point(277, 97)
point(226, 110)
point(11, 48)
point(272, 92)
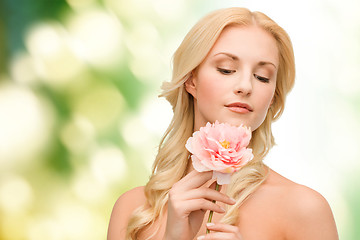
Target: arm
point(122, 210)
point(189, 199)
point(312, 217)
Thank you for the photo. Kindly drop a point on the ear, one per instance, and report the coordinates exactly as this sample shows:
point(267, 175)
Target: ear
point(190, 85)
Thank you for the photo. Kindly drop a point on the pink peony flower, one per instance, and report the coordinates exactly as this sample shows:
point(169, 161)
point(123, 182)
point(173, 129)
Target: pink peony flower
point(221, 148)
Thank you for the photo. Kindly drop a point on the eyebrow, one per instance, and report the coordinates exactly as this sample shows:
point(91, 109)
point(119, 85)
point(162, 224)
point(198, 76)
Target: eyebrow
point(235, 58)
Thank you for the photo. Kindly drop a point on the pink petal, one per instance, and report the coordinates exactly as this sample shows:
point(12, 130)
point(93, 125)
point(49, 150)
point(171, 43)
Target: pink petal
point(209, 154)
point(197, 164)
point(222, 178)
point(188, 144)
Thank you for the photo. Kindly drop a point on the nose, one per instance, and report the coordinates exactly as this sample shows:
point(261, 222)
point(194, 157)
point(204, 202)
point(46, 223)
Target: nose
point(243, 85)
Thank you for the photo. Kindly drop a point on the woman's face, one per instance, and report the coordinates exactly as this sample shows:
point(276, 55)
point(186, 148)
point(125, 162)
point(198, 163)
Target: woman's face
point(236, 81)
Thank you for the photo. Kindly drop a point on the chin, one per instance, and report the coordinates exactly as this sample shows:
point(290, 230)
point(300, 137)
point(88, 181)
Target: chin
point(235, 122)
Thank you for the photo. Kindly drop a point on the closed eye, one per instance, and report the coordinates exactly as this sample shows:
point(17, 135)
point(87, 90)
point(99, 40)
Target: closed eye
point(262, 79)
point(225, 71)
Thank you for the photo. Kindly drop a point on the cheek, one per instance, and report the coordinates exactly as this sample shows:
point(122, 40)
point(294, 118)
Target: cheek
point(209, 87)
point(263, 103)
point(267, 95)
point(269, 98)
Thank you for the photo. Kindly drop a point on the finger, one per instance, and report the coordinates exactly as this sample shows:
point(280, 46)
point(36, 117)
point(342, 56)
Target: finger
point(222, 227)
point(222, 232)
point(193, 180)
point(200, 204)
point(219, 236)
point(209, 194)
point(213, 185)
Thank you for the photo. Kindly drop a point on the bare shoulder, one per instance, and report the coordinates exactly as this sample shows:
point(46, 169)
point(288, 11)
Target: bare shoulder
point(123, 208)
point(308, 214)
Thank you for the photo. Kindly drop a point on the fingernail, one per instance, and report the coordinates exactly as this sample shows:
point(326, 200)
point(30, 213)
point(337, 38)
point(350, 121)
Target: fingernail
point(210, 224)
point(233, 200)
point(201, 237)
point(222, 209)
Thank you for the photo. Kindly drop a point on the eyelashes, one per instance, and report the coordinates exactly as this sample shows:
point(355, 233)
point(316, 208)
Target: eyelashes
point(262, 79)
point(225, 71)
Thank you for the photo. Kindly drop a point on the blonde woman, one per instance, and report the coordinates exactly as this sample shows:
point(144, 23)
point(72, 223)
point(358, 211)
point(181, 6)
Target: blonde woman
point(234, 66)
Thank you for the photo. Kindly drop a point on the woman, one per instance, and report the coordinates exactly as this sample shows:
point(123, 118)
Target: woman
point(234, 66)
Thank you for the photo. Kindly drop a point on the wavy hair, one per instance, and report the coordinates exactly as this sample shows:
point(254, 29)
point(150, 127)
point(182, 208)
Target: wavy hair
point(172, 160)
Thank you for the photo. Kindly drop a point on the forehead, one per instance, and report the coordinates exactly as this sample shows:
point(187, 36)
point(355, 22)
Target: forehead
point(247, 43)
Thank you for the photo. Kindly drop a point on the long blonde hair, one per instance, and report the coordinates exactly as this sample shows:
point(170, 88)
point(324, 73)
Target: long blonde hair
point(172, 159)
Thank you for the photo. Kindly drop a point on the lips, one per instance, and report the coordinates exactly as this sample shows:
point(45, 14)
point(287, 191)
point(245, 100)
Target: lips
point(239, 107)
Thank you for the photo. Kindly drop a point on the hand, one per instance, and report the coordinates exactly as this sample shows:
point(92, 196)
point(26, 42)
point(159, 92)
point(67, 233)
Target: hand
point(189, 199)
point(222, 232)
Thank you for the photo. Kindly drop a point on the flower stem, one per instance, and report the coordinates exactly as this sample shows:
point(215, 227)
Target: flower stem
point(212, 212)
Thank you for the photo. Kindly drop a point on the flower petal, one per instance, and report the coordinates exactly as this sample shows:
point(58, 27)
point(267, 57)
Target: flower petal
point(210, 154)
point(197, 164)
point(222, 178)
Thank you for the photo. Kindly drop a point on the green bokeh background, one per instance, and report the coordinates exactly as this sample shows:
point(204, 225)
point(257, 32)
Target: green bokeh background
point(80, 119)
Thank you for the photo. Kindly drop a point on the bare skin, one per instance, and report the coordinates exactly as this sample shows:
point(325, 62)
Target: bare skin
point(240, 68)
point(278, 209)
